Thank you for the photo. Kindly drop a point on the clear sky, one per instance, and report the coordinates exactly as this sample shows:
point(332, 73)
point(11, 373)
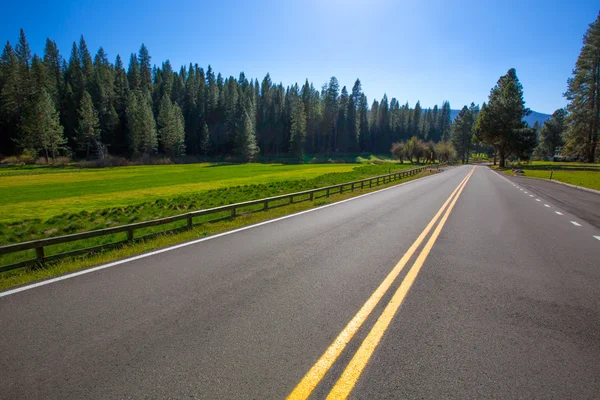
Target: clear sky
point(429, 51)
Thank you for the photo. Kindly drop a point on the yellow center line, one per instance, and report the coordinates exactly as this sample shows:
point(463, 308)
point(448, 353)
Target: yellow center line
point(354, 369)
point(328, 358)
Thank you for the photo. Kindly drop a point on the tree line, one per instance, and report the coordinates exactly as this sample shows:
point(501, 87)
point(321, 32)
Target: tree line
point(89, 107)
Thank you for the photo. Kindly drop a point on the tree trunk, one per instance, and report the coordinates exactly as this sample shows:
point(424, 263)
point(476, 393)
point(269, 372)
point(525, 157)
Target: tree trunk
point(495, 152)
point(501, 162)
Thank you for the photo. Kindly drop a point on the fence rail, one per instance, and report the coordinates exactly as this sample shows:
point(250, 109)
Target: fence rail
point(307, 195)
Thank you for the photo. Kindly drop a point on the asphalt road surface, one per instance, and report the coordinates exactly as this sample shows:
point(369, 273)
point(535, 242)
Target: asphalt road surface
point(583, 204)
point(457, 285)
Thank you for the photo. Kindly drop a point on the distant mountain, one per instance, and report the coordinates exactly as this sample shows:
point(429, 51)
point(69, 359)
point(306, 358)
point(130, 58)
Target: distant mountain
point(530, 119)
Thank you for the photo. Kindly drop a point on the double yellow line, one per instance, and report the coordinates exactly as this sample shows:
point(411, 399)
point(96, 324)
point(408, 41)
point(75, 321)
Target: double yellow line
point(352, 373)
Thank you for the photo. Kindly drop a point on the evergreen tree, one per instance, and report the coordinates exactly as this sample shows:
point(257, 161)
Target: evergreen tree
point(246, 146)
point(141, 124)
point(445, 122)
point(341, 137)
point(363, 123)
point(55, 75)
point(551, 134)
point(88, 130)
point(298, 129)
point(170, 128)
point(500, 123)
point(40, 129)
point(205, 140)
point(415, 129)
point(12, 101)
point(87, 66)
point(133, 73)
point(583, 94)
point(461, 134)
point(145, 70)
point(119, 143)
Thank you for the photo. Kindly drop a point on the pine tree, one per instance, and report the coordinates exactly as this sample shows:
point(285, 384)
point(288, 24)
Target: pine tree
point(75, 75)
point(461, 134)
point(415, 129)
point(103, 93)
point(341, 137)
point(119, 144)
point(53, 62)
point(145, 70)
point(500, 123)
point(205, 140)
point(363, 123)
point(170, 128)
point(40, 127)
point(583, 94)
point(133, 73)
point(298, 129)
point(23, 53)
point(551, 134)
point(87, 66)
point(12, 101)
point(88, 130)
point(445, 122)
point(141, 124)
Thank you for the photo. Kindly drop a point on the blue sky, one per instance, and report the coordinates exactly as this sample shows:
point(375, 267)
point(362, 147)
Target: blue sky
point(428, 51)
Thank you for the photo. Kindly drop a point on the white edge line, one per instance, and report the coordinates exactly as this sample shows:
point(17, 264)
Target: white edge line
point(537, 200)
point(575, 223)
point(597, 237)
point(177, 246)
point(558, 212)
point(546, 205)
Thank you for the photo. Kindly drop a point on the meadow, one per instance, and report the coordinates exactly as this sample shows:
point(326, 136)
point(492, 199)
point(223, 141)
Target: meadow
point(574, 173)
point(36, 203)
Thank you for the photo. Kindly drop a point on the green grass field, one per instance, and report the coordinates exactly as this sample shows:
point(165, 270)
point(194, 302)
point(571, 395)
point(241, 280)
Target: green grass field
point(589, 179)
point(44, 195)
point(574, 173)
point(37, 203)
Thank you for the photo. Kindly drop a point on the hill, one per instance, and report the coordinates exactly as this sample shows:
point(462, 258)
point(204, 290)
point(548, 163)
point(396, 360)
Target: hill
point(530, 119)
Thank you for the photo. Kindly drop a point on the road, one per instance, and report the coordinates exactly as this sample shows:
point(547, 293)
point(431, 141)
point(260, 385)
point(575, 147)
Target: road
point(583, 204)
point(457, 285)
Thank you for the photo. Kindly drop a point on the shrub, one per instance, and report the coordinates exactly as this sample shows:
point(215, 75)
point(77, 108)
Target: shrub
point(10, 160)
point(161, 161)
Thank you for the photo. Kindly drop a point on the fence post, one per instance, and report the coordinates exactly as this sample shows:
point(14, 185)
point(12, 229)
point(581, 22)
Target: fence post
point(39, 254)
point(233, 212)
point(327, 193)
point(362, 184)
point(266, 205)
point(189, 221)
point(312, 196)
point(130, 234)
point(352, 187)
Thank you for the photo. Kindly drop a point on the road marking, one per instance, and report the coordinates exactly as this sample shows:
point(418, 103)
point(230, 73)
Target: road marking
point(597, 237)
point(331, 354)
point(525, 192)
point(190, 243)
point(558, 212)
point(521, 189)
point(530, 195)
point(351, 374)
point(546, 205)
point(575, 223)
point(537, 200)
